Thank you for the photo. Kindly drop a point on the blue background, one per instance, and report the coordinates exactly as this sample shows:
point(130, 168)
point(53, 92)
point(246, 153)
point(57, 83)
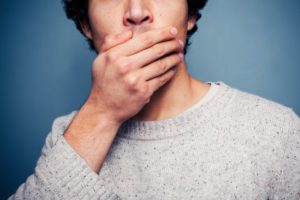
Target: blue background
point(45, 66)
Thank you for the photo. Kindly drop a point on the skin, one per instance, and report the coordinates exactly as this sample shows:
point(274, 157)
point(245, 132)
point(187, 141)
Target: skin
point(140, 65)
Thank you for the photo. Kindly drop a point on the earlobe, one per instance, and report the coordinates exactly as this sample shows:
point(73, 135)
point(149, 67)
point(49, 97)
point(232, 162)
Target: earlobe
point(86, 29)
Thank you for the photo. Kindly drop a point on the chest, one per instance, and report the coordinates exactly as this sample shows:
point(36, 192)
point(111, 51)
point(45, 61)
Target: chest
point(189, 170)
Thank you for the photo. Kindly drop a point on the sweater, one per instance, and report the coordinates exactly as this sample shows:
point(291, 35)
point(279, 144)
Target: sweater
point(229, 145)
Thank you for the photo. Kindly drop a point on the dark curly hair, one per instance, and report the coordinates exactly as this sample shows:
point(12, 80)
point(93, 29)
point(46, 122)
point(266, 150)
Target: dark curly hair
point(77, 10)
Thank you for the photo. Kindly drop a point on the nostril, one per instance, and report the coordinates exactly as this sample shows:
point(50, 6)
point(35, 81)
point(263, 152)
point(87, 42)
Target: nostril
point(137, 17)
point(145, 19)
point(130, 21)
point(133, 21)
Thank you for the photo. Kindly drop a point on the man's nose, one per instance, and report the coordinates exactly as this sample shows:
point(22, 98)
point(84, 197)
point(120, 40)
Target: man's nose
point(137, 13)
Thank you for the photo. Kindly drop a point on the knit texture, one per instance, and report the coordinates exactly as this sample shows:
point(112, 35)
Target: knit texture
point(229, 145)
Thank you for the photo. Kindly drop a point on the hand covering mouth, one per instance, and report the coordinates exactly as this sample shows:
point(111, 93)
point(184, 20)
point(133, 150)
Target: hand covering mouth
point(136, 30)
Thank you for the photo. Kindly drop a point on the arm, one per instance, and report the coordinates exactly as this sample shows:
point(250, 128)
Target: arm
point(91, 134)
point(61, 174)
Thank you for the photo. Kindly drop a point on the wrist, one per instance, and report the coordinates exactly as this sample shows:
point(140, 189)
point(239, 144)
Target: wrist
point(100, 116)
point(94, 108)
point(91, 134)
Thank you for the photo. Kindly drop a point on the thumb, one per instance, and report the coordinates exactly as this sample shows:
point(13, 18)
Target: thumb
point(111, 41)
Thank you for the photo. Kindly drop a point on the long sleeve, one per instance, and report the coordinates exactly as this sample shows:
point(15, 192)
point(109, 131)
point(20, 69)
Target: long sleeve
point(289, 184)
point(61, 174)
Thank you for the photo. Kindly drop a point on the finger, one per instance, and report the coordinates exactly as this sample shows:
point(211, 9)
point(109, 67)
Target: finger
point(152, 54)
point(111, 41)
point(146, 40)
point(160, 66)
point(156, 83)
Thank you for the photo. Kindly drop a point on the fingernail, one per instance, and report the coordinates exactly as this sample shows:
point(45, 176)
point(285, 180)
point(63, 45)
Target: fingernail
point(174, 31)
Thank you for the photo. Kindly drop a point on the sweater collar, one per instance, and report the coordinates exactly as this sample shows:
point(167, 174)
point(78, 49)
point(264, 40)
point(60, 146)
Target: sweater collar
point(200, 113)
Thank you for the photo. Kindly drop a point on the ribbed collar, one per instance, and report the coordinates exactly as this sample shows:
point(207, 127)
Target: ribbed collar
point(213, 102)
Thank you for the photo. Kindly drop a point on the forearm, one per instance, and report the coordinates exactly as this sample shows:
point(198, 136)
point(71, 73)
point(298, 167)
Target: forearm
point(61, 173)
point(91, 134)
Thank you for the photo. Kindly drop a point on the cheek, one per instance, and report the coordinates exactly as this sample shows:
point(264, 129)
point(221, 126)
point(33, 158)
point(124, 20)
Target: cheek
point(100, 27)
point(171, 13)
point(177, 19)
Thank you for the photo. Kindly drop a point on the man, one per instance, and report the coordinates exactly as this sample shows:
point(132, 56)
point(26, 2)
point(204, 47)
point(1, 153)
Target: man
point(149, 130)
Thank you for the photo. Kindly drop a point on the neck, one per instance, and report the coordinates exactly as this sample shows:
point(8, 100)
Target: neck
point(177, 95)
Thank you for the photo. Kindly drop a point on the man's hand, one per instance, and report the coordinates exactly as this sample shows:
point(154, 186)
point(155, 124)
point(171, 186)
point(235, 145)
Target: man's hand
point(130, 69)
point(125, 75)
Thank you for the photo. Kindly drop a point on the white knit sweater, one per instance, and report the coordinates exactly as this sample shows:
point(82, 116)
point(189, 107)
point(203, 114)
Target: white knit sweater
point(230, 145)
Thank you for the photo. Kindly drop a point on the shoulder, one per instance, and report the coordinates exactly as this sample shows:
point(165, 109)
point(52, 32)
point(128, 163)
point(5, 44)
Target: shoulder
point(257, 108)
point(259, 117)
point(265, 122)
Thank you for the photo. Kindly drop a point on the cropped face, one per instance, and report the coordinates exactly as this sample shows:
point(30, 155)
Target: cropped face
point(115, 16)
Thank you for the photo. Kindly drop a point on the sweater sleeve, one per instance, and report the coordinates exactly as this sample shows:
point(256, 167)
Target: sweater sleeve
point(289, 184)
point(60, 173)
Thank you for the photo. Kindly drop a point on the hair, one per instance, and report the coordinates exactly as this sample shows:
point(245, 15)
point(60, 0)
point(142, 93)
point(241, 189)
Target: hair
point(77, 10)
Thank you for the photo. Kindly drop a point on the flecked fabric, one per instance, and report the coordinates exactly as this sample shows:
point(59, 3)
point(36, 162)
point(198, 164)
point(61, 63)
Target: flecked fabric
point(229, 145)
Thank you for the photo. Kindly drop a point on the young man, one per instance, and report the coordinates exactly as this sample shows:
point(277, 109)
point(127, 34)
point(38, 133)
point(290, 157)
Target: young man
point(149, 130)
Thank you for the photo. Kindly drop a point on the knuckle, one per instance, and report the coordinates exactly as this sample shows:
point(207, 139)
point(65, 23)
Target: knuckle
point(147, 39)
point(110, 57)
point(174, 45)
point(163, 66)
point(123, 67)
point(178, 58)
point(131, 81)
point(160, 51)
point(162, 79)
point(174, 59)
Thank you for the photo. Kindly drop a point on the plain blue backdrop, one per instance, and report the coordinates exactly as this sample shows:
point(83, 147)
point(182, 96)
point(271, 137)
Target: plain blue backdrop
point(45, 66)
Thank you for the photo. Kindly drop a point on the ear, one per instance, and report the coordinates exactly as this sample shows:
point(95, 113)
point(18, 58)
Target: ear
point(191, 22)
point(86, 29)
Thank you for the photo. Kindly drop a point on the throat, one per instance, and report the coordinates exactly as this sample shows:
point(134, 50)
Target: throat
point(173, 98)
